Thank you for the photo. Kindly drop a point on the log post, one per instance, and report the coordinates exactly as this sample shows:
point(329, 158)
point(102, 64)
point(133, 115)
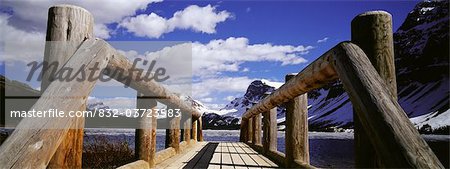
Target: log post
point(296, 138)
point(372, 32)
point(145, 138)
point(173, 134)
point(250, 130)
point(270, 131)
point(152, 161)
point(243, 131)
point(396, 141)
point(67, 27)
point(256, 129)
point(194, 130)
point(35, 140)
point(200, 129)
point(187, 130)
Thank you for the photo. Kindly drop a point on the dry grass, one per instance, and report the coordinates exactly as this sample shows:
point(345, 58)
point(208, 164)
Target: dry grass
point(102, 153)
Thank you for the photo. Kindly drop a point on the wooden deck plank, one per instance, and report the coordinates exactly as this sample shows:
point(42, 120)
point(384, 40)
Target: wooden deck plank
point(216, 158)
point(213, 166)
point(180, 160)
point(248, 160)
point(226, 158)
point(202, 161)
point(259, 160)
point(271, 163)
point(221, 155)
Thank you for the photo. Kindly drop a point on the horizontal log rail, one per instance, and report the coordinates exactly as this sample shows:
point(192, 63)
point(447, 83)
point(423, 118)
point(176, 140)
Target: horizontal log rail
point(35, 140)
point(149, 88)
point(38, 142)
point(396, 141)
point(316, 75)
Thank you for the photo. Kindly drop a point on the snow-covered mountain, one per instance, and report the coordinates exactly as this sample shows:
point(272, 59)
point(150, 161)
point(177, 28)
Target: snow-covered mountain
point(92, 105)
point(254, 94)
point(422, 65)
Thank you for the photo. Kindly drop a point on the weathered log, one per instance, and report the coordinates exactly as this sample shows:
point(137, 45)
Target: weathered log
point(372, 32)
point(140, 164)
point(173, 134)
point(243, 131)
point(35, 140)
point(200, 129)
point(299, 164)
point(296, 138)
point(250, 130)
point(256, 137)
point(150, 88)
point(145, 137)
point(194, 130)
point(67, 27)
point(270, 130)
point(396, 141)
point(165, 154)
point(183, 146)
point(187, 131)
point(315, 75)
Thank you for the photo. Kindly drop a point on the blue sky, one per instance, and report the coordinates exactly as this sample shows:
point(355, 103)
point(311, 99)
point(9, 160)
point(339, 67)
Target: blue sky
point(290, 28)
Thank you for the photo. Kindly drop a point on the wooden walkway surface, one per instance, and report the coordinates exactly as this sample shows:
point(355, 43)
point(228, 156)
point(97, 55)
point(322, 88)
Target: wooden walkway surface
point(217, 155)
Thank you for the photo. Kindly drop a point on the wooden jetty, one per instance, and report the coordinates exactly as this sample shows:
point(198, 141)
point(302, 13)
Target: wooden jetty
point(384, 136)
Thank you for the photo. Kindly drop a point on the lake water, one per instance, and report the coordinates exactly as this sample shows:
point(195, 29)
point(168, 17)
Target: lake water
point(327, 150)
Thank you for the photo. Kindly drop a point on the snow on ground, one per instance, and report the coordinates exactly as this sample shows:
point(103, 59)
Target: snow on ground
point(431, 119)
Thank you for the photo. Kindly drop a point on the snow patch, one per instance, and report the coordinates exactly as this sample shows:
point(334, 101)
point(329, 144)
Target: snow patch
point(431, 119)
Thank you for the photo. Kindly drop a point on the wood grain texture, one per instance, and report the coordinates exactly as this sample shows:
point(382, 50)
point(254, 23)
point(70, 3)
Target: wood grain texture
point(200, 129)
point(270, 130)
point(67, 27)
point(187, 131)
point(165, 154)
point(250, 130)
point(173, 134)
point(316, 75)
point(194, 130)
point(372, 32)
point(256, 137)
point(396, 141)
point(151, 88)
point(243, 131)
point(296, 135)
point(35, 140)
point(145, 137)
point(140, 164)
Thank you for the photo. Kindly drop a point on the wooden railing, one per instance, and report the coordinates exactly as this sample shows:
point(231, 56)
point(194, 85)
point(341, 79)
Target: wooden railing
point(384, 136)
point(57, 142)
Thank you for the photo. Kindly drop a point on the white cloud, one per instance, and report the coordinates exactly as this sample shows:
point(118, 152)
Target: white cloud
point(32, 15)
point(206, 87)
point(322, 40)
point(229, 98)
point(227, 55)
point(102, 31)
point(19, 45)
point(199, 19)
point(207, 99)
